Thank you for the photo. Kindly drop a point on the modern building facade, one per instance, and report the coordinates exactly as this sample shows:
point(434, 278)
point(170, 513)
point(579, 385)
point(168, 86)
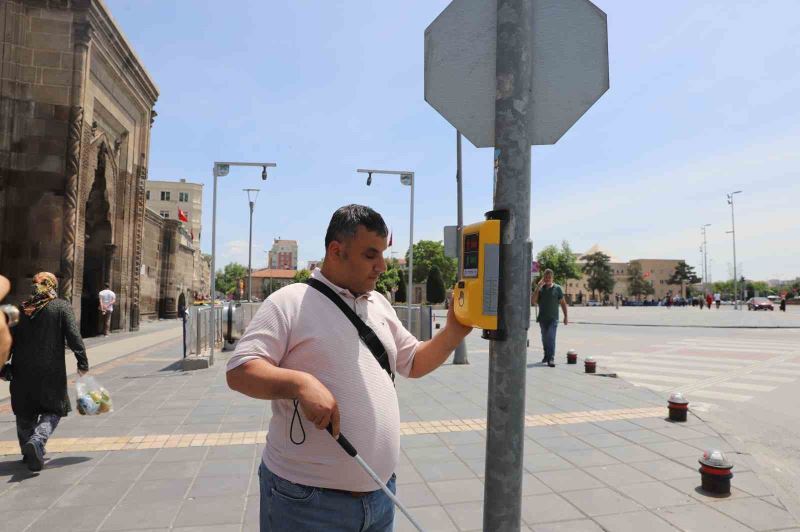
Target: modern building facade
point(167, 197)
point(283, 255)
point(268, 280)
point(76, 108)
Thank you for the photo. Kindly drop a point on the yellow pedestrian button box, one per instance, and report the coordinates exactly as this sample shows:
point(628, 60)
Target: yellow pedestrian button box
point(476, 292)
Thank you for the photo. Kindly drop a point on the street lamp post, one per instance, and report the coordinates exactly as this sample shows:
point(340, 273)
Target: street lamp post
point(407, 179)
point(705, 259)
point(252, 196)
point(221, 169)
point(460, 355)
point(733, 233)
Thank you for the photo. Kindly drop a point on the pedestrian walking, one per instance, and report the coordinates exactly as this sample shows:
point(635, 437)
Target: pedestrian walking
point(709, 300)
point(107, 300)
point(303, 352)
point(549, 296)
point(717, 299)
point(783, 304)
point(39, 374)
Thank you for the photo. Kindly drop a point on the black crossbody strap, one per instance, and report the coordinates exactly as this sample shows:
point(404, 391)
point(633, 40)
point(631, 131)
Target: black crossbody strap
point(366, 334)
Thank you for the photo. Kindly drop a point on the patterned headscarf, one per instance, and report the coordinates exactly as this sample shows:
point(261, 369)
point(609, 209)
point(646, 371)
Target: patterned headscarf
point(45, 286)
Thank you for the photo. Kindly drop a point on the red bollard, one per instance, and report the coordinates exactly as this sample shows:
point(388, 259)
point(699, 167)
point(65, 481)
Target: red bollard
point(715, 472)
point(572, 357)
point(590, 365)
point(678, 407)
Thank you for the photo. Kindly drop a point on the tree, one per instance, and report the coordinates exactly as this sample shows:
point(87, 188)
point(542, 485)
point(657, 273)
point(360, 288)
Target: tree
point(388, 280)
point(301, 276)
point(562, 261)
point(435, 286)
point(227, 279)
point(599, 275)
point(683, 274)
point(427, 254)
point(637, 285)
point(400, 295)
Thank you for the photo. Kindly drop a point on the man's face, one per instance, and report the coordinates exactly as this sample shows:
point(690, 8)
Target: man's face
point(548, 279)
point(362, 260)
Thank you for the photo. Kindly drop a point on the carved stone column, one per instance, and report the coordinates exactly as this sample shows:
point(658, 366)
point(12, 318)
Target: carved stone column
point(136, 278)
point(82, 37)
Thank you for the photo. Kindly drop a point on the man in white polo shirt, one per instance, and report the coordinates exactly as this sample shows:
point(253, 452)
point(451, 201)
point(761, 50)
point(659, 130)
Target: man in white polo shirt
point(302, 353)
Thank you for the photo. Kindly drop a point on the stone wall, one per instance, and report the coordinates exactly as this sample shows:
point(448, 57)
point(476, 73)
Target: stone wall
point(177, 270)
point(150, 273)
point(75, 116)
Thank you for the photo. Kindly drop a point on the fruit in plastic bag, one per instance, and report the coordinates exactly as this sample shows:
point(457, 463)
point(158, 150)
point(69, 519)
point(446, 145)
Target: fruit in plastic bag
point(89, 406)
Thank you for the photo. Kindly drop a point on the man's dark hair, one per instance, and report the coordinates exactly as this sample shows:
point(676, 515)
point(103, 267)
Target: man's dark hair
point(345, 222)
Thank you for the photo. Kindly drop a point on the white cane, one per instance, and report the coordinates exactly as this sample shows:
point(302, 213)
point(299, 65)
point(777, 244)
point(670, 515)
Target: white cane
point(349, 449)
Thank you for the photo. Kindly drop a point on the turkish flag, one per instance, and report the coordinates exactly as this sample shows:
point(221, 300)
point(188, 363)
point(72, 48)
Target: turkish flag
point(182, 216)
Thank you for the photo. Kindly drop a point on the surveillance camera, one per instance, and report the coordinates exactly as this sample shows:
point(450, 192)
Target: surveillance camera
point(264, 173)
point(369, 179)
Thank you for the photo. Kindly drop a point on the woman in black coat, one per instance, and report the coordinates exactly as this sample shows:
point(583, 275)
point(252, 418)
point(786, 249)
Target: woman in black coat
point(39, 373)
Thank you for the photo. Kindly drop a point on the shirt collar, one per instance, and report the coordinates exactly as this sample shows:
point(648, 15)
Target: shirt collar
point(317, 274)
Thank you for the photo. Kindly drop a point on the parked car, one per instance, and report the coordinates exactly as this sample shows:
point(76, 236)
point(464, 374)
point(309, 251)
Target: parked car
point(593, 303)
point(759, 303)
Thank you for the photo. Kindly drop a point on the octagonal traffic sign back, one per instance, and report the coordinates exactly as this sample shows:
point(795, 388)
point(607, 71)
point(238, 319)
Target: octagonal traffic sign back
point(570, 66)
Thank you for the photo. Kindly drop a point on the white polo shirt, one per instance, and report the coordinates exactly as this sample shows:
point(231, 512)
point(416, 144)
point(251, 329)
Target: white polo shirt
point(299, 328)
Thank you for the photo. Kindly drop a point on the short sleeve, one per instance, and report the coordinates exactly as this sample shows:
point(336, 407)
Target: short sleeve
point(267, 337)
point(405, 342)
point(560, 293)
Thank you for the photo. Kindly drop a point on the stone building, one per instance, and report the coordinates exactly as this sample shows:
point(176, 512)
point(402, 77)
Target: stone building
point(655, 271)
point(76, 107)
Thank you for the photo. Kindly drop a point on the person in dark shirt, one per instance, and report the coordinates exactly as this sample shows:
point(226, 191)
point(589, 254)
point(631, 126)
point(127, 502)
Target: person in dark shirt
point(549, 296)
point(39, 377)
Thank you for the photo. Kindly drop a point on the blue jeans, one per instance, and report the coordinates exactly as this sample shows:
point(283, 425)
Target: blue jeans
point(290, 507)
point(549, 339)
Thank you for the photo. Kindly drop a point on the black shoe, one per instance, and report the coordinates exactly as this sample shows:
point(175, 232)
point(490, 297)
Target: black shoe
point(33, 456)
point(544, 360)
point(551, 364)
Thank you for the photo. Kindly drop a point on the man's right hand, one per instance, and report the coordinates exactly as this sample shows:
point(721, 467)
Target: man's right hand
point(318, 404)
point(540, 283)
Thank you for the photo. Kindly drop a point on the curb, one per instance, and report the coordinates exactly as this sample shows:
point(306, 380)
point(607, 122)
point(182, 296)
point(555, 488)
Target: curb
point(687, 326)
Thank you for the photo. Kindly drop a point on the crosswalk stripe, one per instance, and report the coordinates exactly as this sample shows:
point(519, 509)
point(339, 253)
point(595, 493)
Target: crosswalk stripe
point(656, 387)
point(781, 371)
point(656, 378)
point(709, 394)
point(769, 378)
point(659, 369)
point(712, 361)
point(727, 349)
point(746, 387)
point(743, 343)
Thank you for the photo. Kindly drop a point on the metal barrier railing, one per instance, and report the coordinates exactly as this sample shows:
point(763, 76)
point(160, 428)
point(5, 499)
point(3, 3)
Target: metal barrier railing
point(421, 320)
point(233, 317)
point(197, 329)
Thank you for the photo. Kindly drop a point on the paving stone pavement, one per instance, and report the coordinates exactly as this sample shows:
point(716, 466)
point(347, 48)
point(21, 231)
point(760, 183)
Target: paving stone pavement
point(599, 455)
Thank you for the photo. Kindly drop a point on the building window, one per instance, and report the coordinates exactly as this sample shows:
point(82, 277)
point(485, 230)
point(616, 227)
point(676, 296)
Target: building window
point(183, 197)
point(164, 214)
point(164, 195)
point(147, 194)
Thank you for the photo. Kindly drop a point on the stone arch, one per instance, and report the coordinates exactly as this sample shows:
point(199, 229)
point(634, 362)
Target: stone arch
point(98, 244)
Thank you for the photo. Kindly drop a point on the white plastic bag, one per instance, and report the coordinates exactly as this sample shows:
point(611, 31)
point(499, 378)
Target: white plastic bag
point(92, 399)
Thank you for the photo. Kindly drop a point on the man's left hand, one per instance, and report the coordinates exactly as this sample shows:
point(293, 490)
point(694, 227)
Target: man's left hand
point(566, 320)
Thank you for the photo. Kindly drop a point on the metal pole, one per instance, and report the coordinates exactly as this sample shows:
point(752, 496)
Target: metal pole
point(705, 261)
point(411, 258)
point(512, 191)
point(250, 257)
point(460, 355)
point(213, 322)
point(735, 278)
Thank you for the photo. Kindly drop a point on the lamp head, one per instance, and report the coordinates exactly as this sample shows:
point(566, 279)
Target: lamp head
point(369, 178)
point(264, 173)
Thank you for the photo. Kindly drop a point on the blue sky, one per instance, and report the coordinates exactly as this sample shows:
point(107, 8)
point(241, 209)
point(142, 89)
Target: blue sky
point(703, 100)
